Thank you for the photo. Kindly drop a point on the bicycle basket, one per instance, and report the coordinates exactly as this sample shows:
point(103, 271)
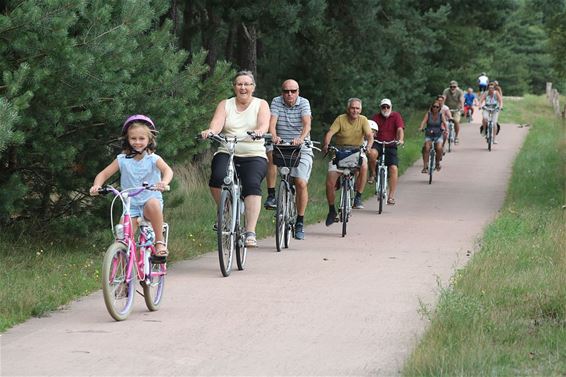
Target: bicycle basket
point(348, 158)
point(286, 155)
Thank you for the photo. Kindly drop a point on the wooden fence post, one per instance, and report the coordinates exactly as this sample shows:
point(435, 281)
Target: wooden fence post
point(554, 98)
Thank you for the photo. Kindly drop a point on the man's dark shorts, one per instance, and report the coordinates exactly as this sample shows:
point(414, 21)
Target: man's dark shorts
point(390, 155)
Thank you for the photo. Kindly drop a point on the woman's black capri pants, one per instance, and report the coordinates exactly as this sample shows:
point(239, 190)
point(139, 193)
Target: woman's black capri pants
point(251, 170)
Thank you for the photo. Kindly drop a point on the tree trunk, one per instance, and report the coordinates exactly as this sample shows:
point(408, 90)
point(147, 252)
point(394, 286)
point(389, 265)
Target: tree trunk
point(247, 57)
point(209, 36)
point(231, 42)
point(188, 27)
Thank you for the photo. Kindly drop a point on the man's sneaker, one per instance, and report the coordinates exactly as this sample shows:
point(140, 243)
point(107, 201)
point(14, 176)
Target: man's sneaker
point(358, 203)
point(299, 231)
point(270, 202)
point(330, 218)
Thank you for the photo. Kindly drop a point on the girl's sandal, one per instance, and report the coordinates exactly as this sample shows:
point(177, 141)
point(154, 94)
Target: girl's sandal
point(163, 252)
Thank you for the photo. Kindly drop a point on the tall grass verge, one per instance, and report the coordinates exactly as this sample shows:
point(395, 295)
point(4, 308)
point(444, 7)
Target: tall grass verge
point(504, 314)
point(39, 276)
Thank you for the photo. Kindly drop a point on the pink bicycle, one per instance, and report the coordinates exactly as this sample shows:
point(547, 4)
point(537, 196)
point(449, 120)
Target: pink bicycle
point(126, 260)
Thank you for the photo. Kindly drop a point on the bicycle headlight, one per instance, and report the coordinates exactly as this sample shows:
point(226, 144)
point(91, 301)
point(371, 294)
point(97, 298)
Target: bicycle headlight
point(285, 170)
point(227, 180)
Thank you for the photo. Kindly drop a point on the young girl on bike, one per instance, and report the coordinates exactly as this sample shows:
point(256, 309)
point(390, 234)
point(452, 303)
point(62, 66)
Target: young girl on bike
point(138, 164)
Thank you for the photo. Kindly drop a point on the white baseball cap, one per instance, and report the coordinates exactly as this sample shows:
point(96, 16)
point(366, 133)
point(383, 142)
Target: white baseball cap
point(385, 101)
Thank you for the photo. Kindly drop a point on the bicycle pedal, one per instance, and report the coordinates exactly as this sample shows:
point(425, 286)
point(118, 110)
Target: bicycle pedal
point(158, 260)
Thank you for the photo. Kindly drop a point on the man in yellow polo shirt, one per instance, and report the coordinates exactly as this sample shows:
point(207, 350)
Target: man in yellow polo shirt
point(350, 130)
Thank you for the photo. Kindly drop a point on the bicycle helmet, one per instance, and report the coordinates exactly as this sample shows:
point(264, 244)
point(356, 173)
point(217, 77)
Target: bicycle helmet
point(138, 118)
point(373, 125)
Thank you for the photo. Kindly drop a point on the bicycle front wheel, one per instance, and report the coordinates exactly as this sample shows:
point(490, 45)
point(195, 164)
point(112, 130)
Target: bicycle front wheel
point(381, 189)
point(281, 215)
point(489, 136)
point(290, 219)
point(431, 163)
point(241, 248)
point(226, 232)
point(117, 290)
point(345, 206)
point(154, 284)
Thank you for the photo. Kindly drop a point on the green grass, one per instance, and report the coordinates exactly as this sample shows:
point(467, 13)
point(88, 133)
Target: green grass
point(504, 314)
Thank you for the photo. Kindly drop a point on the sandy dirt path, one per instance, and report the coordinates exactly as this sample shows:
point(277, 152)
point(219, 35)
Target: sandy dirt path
point(326, 306)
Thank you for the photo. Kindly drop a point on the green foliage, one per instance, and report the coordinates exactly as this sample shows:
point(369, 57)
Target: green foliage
point(72, 71)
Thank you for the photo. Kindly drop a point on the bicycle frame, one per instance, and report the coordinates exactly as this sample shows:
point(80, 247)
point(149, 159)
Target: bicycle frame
point(347, 188)
point(232, 234)
point(118, 283)
point(135, 250)
point(382, 171)
point(491, 110)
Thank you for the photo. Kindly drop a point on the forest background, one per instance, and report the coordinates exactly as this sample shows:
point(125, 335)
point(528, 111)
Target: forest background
point(72, 70)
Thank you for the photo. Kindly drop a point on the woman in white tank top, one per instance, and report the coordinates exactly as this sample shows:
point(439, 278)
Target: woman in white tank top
point(235, 116)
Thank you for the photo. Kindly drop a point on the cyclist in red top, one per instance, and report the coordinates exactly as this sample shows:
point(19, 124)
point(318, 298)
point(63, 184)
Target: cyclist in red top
point(391, 127)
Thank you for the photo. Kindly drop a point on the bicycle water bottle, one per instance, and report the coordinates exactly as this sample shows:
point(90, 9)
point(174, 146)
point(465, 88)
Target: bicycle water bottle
point(119, 231)
point(148, 232)
point(149, 236)
point(146, 253)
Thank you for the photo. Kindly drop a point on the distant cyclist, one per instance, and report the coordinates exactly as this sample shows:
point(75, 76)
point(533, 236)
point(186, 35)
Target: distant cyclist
point(434, 126)
point(445, 111)
point(491, 99)
point(391, 127)
point(349, 130)
point(455, 101)
point(372, 153)
point(291, 122)
point(498, 87)
point(483, 82)
point(470, 100)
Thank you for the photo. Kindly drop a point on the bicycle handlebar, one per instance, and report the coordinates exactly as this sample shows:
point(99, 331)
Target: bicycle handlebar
point(222, 138)
point(490, 108)
point(387, 142)
point(107, 189)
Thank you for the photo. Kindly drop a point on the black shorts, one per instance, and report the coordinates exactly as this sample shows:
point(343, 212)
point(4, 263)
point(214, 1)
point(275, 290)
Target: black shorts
point(390, 154)
point(251, 170)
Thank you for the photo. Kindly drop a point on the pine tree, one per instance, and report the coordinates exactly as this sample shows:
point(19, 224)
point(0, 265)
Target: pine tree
point(72, 71)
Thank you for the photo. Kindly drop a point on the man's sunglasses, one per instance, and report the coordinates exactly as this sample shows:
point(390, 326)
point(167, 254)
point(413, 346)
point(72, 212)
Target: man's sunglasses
point(288, 91)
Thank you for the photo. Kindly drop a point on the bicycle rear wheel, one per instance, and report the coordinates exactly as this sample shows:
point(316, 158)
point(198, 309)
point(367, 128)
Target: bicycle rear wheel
point(241, 248)
point(280, 215)
point(154, 284)
point(450, 141)
point(226, 232)
point(118, 292)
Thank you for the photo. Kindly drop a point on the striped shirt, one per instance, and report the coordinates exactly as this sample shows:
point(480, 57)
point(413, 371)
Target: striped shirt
point(289, 124)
